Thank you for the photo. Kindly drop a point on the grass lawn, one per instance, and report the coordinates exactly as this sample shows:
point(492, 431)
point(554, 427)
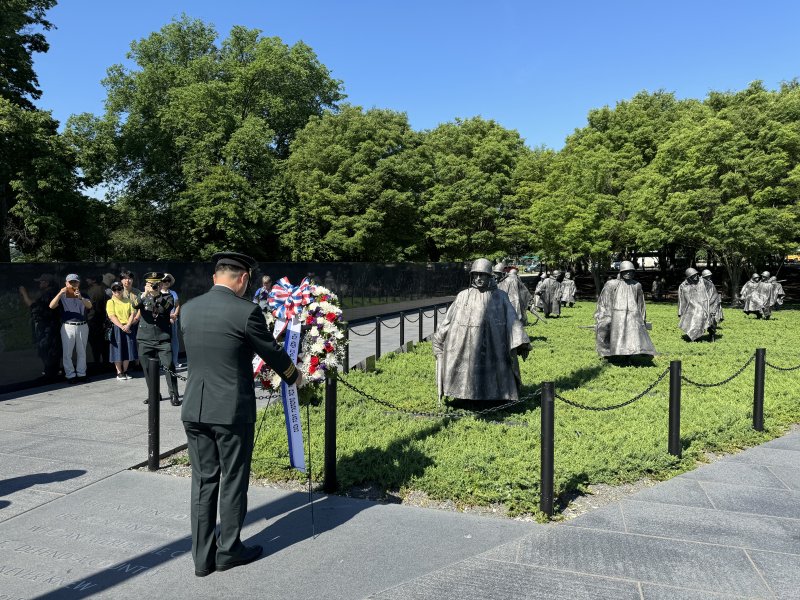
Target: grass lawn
point(473, 461)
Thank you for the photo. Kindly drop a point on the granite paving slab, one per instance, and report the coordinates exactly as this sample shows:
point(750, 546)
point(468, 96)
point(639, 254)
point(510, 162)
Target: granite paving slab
point(737, 472)
point(61, 476)
point(789, 476)
point(691, 565)
point(759, 501)
point(684, 492)
point(662, 592)
point(779, 457)
point(780, 571)
point(789, 441)
point(712, 526)
point(17, 502)
point(606, 517)
point(482, 579)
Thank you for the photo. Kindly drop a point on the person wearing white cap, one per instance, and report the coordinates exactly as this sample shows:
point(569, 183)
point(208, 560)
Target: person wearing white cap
point(74, 330)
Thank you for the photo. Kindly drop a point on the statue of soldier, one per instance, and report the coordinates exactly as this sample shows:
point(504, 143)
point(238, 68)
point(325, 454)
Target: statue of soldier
point(155, 331)
point(499, 272)
point(518, 294)
point(714, 297)
point(761, 297)
point(568, 290)
point(477, 343)
point(777, 292)
point(694, 307)
point(549, 292)
point(621, 328)
point(746, 295)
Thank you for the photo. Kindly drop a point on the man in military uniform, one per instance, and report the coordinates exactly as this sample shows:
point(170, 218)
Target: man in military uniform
point(155, 330)
point(221, 332)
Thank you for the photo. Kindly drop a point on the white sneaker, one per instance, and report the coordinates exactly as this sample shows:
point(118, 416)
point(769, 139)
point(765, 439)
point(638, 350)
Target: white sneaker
point(121, 377)
point(127, 376)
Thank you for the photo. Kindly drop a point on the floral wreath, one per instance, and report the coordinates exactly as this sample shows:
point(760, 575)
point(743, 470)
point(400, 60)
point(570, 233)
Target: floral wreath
point(322, 339)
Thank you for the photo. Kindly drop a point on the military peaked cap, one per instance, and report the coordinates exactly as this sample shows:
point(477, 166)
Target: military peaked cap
point(153, 277)
point(234, 259)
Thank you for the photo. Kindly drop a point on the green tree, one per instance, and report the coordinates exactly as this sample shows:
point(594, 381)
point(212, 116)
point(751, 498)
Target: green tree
point(20, 38)
point(357, 184)
point(469, 199)
point(192, 138)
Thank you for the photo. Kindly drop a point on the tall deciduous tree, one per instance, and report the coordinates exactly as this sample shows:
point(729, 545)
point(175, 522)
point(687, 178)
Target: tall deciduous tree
point(357, 184)
point(469, 197)
point(193, 136)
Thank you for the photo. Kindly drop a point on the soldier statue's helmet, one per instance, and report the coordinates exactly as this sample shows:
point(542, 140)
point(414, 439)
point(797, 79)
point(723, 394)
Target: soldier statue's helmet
point(499, 267)
point(555, 273)
point(765, 275)
point(626, 265)
point(482, 265)
point(567, 275)
point(755, 276)
point(705, 273)
point(690, 272)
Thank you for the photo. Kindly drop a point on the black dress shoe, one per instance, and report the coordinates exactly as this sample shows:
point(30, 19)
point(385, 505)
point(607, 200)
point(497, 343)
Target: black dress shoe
point(174, 400)
point(250, 554)
point(201, 573)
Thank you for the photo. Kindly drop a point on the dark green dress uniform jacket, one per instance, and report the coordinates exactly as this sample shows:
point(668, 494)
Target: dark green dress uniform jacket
point(221, 333)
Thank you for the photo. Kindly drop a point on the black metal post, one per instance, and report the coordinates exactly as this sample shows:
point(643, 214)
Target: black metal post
point(435, 317)
point(674, 444)
point(758, 392)
point(377, 338)
point(402, 329)
point(346, 365)
point(152, 372)
point(548, 425)
point(420, 323)
point(329, 479)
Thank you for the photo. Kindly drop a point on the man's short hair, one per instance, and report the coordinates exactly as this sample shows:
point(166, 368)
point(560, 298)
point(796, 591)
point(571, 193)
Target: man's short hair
point(226, 268)
point(125, 275)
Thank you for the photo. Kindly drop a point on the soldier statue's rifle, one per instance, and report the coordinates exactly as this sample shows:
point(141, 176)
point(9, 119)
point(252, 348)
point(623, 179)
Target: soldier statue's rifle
point(532, 310)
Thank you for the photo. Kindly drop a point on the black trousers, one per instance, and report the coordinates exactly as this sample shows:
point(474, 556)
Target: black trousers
point(220, 457)
point(163, 352)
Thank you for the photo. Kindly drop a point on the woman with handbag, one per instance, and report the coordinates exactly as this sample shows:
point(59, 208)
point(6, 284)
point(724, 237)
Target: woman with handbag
point(121, 338)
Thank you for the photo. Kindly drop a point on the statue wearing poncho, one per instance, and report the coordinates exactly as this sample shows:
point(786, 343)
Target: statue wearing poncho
point(714, 299)
point(518, 295)
point(620, 317)
point(550, 294)
point(477, 342)
point(694, 306)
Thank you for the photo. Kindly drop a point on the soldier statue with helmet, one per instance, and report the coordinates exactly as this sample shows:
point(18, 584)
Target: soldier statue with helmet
point(715, 298)
point(477, 343)
point(695, 307)
point(549, 293)
point(620, 317)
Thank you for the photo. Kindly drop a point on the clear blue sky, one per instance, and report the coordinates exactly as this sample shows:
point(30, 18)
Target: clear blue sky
point(534, 66)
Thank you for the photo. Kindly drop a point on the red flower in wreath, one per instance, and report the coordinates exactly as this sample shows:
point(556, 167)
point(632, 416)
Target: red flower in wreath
point(331, 317)
point(310, 320)
point(313, 365)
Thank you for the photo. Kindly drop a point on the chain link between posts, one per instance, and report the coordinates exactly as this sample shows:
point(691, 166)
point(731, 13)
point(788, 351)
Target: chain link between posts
point(458, 414)
point(724, 381)
point(390, 326)
point(370, 332)
point(615, 406)
point(411, 320)
point(777, 368)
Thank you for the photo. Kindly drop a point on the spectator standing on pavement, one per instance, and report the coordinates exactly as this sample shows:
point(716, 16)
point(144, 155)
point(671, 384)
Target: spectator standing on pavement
point(45, 325)
point(96, 319)
point(166, 284)
point(122, 344)
point(74, 330)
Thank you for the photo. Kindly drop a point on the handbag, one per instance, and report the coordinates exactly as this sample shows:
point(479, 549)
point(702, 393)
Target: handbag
point(108, 330)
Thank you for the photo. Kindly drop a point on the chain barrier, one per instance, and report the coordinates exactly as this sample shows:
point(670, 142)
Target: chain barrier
point(426, 315)
point(777, 368)
point(411, 320)
point(615, 406)
point(390, 326)
point(724, 381)
point(370, 332)
point(458, 414)
point(173, 373)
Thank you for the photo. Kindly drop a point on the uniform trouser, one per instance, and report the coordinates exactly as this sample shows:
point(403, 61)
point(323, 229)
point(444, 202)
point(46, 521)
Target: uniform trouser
point(163, 352)
point(220, 457)
point(74, 337)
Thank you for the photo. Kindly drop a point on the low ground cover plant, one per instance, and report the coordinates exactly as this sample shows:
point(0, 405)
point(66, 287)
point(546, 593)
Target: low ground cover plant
point(478, 461)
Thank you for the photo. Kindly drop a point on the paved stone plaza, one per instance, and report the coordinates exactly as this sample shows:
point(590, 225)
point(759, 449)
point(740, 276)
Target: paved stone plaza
point(76, 522)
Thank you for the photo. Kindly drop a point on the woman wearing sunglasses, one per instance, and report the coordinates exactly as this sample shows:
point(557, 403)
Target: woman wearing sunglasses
point(121, 313)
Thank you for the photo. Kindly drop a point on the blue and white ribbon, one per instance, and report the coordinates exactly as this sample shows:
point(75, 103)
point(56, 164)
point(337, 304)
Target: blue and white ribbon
point(291, 401)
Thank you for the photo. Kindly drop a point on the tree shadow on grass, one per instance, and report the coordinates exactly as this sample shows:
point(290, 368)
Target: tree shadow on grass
point(638, 361)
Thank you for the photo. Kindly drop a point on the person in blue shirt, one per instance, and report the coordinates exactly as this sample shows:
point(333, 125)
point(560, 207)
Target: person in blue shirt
point(262, 293)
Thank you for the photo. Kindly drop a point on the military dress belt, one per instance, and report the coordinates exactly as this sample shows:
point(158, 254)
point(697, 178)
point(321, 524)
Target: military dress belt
point(74, 322)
